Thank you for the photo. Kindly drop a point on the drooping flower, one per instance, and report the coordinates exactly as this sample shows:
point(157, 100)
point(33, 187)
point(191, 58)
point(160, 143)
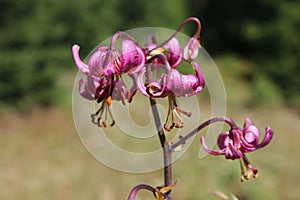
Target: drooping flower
point(103, 62)
point(191, 49)
point(170, 82)
point(236, 142)
point(103, 81)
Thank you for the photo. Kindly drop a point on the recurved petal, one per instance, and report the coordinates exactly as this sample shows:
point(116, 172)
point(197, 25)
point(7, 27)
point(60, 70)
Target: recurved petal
point(223, 140)
point(201, 81)
point(80, 64)
point(210, 151)
point(268, 137)
point(97, 61)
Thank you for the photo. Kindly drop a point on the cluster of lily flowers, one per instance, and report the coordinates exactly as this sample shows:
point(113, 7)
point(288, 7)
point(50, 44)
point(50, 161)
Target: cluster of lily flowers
point(152, 71)
point(157, 62)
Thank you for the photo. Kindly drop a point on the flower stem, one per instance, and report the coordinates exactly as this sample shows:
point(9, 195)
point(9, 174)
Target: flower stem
point(167, 153)
point(134, 191)
point(196, 35)
point(200, 127)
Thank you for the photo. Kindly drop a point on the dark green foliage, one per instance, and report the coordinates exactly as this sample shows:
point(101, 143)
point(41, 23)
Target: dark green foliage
point(265, 32)
point(35, 45)
point(36, 39)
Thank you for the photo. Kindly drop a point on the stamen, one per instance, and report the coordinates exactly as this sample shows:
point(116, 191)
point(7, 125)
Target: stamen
point(174, 112)
point(111, 116)
point(123, 98)
point(168, 116)
point(247, 169)
point(97, 117)
point(189, 114)
point(170, 127)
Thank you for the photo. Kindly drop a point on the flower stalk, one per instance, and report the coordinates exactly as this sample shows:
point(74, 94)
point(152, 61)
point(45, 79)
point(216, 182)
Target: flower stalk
point(152, 71)
point(167, 153)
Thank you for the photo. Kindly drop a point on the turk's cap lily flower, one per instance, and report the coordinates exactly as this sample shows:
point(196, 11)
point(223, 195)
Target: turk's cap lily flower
point(250, 137)
point(174, 83)
point(102, 62)
point(190, 51)
point(173, 49)
point(235, 143)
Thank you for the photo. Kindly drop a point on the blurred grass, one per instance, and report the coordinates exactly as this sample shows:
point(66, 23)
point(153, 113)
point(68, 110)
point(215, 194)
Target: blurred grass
point(42, 157)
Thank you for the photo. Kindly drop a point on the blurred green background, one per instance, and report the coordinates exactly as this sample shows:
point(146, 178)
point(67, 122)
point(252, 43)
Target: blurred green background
point(254, 43)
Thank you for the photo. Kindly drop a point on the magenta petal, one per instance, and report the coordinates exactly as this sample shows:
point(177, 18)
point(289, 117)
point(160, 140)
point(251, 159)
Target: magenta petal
point(235, 135)
point(111, 63)
point(223, 140)
point(175, 53)
point(133, 58)
point(190, 51)
point(268, 137)
point(228, 153)
point(96, 61)
point(201, 81)
point(140, 61)
point(251, 134)
point(81, 65)
point(233, 152)
point(210, 151)
point(175, 83)
point(187, 85)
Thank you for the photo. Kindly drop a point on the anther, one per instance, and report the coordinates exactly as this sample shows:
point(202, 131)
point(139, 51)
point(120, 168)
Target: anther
point(170, 127)
point(189, 114)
